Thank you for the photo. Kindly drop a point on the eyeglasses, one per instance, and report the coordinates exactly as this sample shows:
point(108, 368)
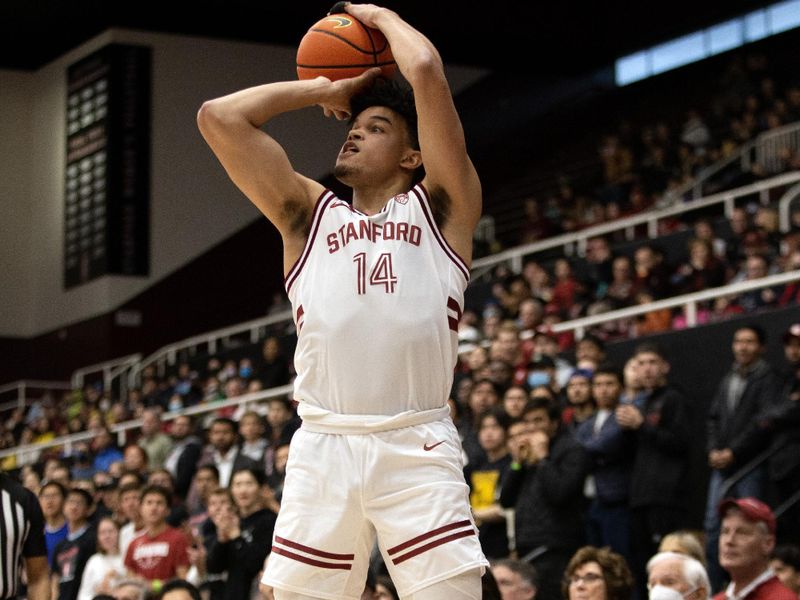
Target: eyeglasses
point(586, 578)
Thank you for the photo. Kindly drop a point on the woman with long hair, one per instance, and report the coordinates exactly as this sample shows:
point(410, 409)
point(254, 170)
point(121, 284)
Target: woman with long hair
point(106, 566)
point(239, 547)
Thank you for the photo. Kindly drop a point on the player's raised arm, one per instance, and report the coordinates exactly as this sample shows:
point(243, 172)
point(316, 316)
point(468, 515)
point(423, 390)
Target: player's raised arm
point(449, 173)
point(255, 162)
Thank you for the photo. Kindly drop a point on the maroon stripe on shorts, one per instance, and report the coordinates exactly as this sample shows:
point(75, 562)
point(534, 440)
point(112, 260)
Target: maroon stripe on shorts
point(314, 551)
point(433, 544)
point(311, 561)
point(426, 536)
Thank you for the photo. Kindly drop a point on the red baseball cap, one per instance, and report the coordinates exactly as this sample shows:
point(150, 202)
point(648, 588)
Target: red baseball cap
point(753, 509)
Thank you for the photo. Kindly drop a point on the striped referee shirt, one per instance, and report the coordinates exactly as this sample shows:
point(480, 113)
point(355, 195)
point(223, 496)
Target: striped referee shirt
point(21, 533)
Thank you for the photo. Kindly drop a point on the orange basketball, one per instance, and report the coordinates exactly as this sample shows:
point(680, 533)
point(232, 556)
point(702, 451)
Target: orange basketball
point(340, 46)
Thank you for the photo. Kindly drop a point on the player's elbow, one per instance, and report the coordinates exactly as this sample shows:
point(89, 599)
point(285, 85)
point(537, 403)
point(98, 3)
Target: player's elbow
point(208, 116)
point(423, 66)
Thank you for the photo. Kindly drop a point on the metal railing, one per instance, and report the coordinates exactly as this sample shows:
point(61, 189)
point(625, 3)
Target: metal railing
point(575, 242)
point(770, 144)
point(68, 441)
point(764, 150)
point(108, 368)
point(168, 354)
point(21, 388)
point(688, 301)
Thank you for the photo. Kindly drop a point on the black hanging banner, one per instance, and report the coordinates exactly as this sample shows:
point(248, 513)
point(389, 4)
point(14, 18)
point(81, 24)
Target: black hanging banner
point(107, 187)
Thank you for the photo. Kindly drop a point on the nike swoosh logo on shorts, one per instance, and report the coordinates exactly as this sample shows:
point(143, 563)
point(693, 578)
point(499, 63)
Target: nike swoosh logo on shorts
point(428, 448)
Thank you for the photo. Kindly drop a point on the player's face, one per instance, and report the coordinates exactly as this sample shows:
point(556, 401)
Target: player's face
point(375, 148)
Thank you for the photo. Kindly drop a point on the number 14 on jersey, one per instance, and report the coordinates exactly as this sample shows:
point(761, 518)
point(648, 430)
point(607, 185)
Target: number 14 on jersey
point(382, 274)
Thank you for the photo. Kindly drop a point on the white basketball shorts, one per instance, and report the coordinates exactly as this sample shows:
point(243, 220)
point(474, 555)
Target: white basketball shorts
point(404, 485)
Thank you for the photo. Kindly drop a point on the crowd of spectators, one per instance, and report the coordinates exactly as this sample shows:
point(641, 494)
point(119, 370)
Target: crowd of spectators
point(645, 164)
point(584, 454)
point(614, 275)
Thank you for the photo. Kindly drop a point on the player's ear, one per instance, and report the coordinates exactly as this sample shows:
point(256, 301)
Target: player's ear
point(412, 159)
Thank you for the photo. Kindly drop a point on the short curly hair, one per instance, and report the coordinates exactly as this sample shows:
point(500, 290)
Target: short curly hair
point(616, 574)
point(392, 95)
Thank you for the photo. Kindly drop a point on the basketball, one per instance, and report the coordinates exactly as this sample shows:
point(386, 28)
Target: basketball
point(340, 46)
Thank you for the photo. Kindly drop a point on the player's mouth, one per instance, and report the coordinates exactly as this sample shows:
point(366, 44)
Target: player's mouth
point(348, 149)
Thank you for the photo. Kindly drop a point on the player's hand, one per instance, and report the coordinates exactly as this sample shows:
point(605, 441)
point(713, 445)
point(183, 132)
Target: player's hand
point(336, 102)
point(366, 13)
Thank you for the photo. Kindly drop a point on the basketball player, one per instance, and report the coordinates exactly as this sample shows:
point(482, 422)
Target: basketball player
point(377, 290)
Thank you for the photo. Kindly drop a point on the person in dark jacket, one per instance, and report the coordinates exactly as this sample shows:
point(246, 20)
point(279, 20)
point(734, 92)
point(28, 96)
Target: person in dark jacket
point(611, 449)
point(658, 479)
point(783, 422)
point(735, 432)
point(545, 487)
point(182, 460)
point(242, 537)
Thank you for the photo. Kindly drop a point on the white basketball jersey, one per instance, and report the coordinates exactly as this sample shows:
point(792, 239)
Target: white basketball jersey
point(376, 301)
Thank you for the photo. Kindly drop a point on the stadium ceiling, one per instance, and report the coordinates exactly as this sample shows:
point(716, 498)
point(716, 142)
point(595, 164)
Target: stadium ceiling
point(522, 36)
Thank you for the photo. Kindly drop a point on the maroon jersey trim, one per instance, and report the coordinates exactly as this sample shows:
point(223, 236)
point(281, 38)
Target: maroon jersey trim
point(452, 304)
point(424, 200)
point(319, 208)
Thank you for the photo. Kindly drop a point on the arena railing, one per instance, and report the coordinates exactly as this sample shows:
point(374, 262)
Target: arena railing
point(574, 243)
point(121, 429)
point(769, 145)
point(688, 301)
point(109, 369)
point(167, 355)
point(764, 149)
point(21, 388)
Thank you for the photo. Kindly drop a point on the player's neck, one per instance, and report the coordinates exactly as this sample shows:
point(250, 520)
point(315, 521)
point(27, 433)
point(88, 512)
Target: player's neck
point(370, 199)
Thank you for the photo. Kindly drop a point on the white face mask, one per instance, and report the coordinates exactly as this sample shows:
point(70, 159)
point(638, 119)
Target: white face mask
point(661, 592)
